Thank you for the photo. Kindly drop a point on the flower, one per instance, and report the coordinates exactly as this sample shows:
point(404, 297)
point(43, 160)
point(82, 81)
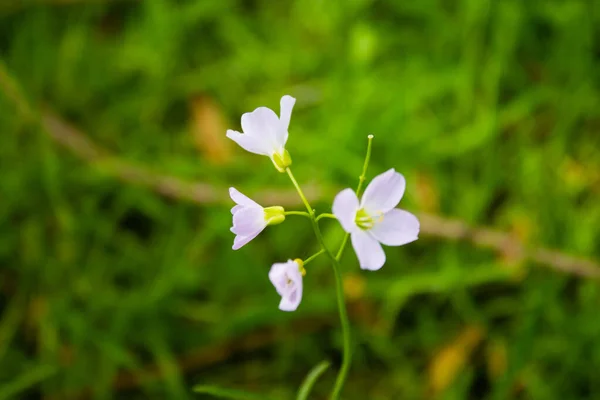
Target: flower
point(250, 218)
point(266, 134)
point(375, 221)
point(287, 279)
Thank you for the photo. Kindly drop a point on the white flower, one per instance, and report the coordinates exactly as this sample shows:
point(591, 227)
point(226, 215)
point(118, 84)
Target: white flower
point(287, 279)
point(375, 220)
point(250, 218)
point(266, 134)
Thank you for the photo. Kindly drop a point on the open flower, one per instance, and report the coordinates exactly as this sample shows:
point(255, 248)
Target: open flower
point(375, 221)
point(287, 279)
point(266, 134)
point(250, 218)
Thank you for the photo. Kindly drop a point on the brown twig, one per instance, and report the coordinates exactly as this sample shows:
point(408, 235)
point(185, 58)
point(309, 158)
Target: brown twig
point(504, 243)
point(166, 185)
point(13, 92)
point(203, 193)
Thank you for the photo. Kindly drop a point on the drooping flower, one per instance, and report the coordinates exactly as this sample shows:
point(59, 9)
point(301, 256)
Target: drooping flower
point(266, 134)
point(287, 279)
point(375, 220)
point(250, 218)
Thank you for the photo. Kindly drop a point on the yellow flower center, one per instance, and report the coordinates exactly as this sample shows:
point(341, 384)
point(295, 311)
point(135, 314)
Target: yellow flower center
point(366, 221)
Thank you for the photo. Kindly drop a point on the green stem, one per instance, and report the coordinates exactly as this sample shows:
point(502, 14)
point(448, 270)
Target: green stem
point(302, 213)
point(361, 180)
point(363, 175)
point(325, 215)
point(299, 190)
point(339, 287)
point(347, 355)
point(317, 254)
point(342, 247)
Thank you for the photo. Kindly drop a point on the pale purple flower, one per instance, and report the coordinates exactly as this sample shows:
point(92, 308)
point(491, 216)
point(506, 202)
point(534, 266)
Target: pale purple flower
point(265, 133)
point(250, 218)
point(375, 221)
point(287, 279)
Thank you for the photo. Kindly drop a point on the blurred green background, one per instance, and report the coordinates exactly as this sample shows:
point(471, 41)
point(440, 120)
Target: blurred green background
point(117, 277)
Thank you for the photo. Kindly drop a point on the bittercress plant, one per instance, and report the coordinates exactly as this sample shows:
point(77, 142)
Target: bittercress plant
point(370, 222)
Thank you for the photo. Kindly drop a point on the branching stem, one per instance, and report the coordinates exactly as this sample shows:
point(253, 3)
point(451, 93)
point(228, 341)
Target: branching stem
point(347, 351)
point(325, 215)
point(317, 254)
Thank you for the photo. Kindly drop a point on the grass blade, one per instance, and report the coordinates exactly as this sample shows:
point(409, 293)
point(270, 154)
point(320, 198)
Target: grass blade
point(228, 393)
point(311, 379)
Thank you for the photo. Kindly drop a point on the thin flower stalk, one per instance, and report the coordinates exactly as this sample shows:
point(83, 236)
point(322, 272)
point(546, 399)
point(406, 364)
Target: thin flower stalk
point(339, 288)
point(369, 221)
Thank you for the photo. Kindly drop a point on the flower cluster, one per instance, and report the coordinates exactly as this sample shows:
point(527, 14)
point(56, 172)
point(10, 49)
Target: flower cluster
point(371, 221)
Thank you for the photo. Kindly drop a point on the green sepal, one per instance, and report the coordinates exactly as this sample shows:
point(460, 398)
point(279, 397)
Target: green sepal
point(281, 161)
point(274, 215)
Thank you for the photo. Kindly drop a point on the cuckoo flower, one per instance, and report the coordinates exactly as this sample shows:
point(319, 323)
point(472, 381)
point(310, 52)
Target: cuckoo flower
point(250, 218)
point(374, 220)
point(266, 134)
point(287, 279)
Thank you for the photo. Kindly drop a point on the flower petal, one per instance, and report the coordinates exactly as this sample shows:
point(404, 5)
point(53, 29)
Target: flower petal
point(397, 227)
point(291, 302)
point(287, 279)
point(264, 126)
point(239, 241)
point(236, 208)
point(384, 192)
point(248, 220)
point(277, 276)
point(345, 206)
point(368, 250)
point(241, 198)
point(287, 104)
point(249, 143)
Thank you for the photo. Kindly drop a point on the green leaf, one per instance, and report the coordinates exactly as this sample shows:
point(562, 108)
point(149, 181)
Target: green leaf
point(311, 378)
point(228, 393)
